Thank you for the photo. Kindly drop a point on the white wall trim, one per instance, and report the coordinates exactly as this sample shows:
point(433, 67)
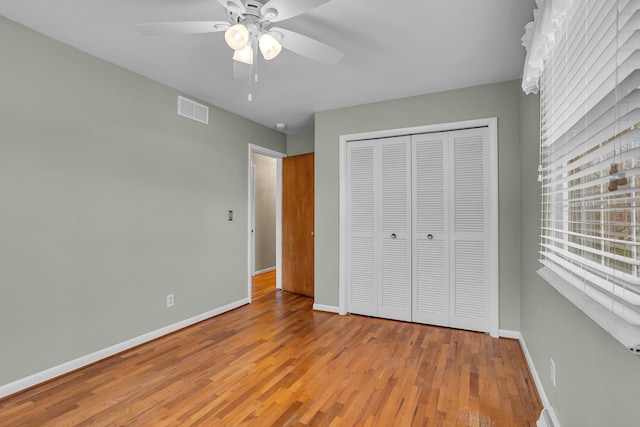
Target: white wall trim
point(328, 308)
point(72, 365)
point(253, 148)
point(514, 335)
point(342, 226)
point(252, 218)
point(250, 205)
point(279, 223)
point(264, 270)
point(494, 226)
point(494, 273)
point(536, 379)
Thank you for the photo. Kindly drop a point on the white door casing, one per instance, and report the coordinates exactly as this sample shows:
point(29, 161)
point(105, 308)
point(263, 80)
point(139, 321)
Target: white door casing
point(252, 148)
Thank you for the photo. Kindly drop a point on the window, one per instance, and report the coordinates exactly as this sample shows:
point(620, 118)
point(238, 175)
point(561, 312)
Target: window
point(584, 56)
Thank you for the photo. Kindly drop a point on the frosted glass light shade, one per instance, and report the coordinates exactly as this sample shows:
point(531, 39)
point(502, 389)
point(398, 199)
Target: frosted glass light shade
point(237, 37)
point(269, 46)
point(244, 55)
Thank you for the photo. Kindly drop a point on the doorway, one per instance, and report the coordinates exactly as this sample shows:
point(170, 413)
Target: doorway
point(265, 214)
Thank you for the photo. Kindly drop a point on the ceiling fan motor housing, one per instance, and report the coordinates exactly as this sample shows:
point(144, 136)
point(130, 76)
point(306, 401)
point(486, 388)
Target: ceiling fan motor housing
point(251, 8)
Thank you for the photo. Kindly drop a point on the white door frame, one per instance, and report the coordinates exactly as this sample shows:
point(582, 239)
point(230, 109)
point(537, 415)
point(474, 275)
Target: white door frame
point(252, 219)
point(251, 209)
point(492, 124)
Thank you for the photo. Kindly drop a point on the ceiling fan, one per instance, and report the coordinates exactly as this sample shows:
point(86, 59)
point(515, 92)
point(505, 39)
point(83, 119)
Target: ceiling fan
point(249, 27)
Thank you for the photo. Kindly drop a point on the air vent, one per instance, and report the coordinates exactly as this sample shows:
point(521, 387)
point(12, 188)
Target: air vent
point(546, 418)
point(193, 110)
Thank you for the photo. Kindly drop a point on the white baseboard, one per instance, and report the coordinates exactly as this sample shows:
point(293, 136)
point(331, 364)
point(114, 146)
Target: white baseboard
point(536, 379)
point(264, 270)
point(506, 333)
point(64, 368)
point(322, 307)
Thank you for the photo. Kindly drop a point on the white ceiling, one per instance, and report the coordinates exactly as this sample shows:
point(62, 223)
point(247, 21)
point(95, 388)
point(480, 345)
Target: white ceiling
point(393, 49)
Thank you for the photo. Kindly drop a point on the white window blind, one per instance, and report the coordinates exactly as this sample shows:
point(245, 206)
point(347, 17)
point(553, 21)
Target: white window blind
point(589, 81)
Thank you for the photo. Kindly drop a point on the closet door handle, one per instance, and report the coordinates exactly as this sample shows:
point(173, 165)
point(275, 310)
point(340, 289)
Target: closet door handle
point(393, 236)
point(430, 236)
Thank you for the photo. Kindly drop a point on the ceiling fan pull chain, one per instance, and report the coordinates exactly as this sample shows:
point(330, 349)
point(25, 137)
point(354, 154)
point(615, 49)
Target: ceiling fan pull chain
point(257, 57)
point(253, 71)
point(251, 65)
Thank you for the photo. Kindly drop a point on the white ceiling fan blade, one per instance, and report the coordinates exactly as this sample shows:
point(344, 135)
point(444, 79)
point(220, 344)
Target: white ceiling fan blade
point(306, 46)
point(289, 8)
point(185, 27)
point(241, 70)
point(233, 5)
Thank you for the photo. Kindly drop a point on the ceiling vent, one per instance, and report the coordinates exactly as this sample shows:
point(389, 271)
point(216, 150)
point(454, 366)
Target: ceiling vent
point(193, 110)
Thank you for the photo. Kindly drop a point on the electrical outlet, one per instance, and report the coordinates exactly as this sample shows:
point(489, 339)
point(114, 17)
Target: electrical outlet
point(170, 300)
point(553, 372)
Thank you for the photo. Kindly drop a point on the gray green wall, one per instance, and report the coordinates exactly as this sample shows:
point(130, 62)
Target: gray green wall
point(109, 201)
point(301, 143)
point(497, 100)
point(596, 377)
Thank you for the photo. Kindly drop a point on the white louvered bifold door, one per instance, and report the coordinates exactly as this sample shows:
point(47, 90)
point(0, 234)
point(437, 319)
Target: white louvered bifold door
point(431, 229)
point(418, 228)
point(394, 233)
point(362, 295)
point(469, 225)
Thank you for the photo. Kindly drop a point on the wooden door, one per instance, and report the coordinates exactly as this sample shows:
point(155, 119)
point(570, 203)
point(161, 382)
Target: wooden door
point(297, 224)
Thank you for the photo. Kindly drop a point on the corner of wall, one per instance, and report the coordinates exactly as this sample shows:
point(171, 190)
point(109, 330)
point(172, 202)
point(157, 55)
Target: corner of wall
point(301, 143)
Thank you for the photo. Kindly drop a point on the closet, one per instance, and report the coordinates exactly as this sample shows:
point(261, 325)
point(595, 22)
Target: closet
point(418, 241)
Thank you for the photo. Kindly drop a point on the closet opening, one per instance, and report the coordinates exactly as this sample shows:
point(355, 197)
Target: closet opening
point(418, 225)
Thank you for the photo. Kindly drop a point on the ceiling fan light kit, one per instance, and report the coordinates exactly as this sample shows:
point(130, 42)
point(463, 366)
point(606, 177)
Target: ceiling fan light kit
point(249, 27)
point(244, 55)
point(237, 37)
point(269, 46)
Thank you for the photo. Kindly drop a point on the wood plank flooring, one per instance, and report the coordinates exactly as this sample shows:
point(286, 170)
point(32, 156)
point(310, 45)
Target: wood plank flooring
point(277, 362)
point(263, 284)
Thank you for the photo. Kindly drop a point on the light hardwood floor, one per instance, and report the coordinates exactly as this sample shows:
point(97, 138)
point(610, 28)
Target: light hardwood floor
point(263, 284)
point(276, 362)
